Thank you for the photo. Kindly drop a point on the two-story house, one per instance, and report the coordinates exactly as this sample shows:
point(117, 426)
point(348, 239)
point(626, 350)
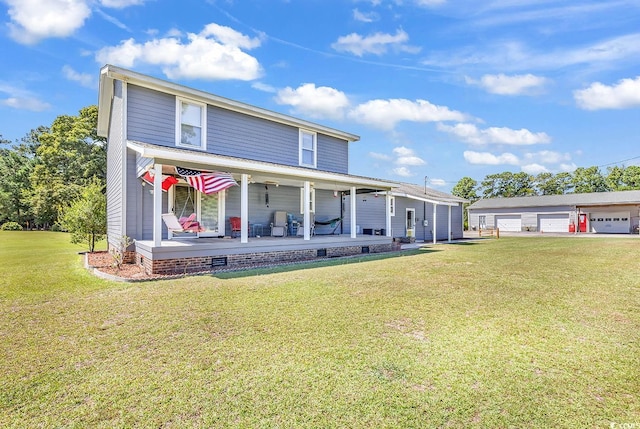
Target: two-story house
point(163, 137)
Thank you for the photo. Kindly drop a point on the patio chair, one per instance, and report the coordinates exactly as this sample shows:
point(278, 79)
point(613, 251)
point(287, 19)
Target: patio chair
point(312, 228)
point(236, 225)
point(279, 224)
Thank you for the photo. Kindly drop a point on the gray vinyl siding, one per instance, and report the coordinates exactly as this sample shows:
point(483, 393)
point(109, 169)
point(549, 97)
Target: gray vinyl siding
point(371, 212)
point(281, 198)
point(333, 154)
point(115, 165)
point(234, 134)
point(152, 116)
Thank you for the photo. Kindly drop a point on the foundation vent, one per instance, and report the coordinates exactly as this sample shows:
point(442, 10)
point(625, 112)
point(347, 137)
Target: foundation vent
point(219, 262)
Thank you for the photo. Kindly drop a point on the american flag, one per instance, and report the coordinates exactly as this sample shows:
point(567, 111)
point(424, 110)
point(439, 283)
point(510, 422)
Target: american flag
point(208, 183)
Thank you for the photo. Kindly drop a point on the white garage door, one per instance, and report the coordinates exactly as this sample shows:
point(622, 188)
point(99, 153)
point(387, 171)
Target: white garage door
point(553, 222)
point(610, 222)
point(509, 223)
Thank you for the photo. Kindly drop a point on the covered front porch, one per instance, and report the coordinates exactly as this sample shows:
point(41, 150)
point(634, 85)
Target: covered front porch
point(215, 254)
point(318, 210)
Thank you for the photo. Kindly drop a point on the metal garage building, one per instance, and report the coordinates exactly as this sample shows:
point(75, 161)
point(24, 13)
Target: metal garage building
point(601, 212)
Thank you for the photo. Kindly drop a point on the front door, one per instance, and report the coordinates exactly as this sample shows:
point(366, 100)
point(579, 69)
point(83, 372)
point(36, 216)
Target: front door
point(582, 222)
point(411, 223)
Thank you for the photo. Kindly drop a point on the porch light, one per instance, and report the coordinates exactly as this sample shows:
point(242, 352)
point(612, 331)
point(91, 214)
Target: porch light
point(335, 194)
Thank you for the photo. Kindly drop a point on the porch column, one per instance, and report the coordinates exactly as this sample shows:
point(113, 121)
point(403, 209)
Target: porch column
point(157, 205)
point(306, 201)
point(388, 223)
point(449, 236)
point(353, 212)
point(244, 208)
point(435, 224)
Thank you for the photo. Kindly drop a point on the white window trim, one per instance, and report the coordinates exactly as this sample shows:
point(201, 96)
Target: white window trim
point(315, 148)
point(312, 200)
point(203, 122)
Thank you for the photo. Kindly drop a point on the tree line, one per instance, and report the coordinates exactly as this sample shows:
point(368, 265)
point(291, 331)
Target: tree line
point(49, 168)
point(581, 180)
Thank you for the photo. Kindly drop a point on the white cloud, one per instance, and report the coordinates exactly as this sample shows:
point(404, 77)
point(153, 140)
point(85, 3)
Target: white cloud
point(402, 171)
point(365, 17)
point(437, 182)
point(380, 156)
point(18, 98)
point(486, 158)
point(548, 157)
point(317, 102)
point(513, 55)
point(34, 20)
point(624, 94)
point(385, 114)
point(84, 79)
point(502, 84)
point(377, 44)
point(534, 169)
point(260, 86)
point(471, 134)
point(406, 156)
point(26, 103)
point(215, 53)
point(568, 167)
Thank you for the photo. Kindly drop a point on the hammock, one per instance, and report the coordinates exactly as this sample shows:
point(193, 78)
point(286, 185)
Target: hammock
point(328, 222)
point(333, 223)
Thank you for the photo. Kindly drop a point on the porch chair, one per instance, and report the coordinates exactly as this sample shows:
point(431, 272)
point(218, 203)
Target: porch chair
point(236, 225)
point(312, 227)
point(279, 224)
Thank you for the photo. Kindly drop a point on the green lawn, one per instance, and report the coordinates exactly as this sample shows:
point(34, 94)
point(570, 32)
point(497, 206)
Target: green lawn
point(515, 332)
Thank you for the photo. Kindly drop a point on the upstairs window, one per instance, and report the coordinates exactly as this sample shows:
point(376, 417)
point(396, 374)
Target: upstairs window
point(190, 124)
point(308, 149)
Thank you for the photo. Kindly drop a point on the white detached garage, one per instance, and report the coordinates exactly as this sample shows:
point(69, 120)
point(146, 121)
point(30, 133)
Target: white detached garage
point(598, 212)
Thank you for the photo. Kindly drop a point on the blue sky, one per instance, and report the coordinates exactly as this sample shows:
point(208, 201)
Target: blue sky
point(436, 88)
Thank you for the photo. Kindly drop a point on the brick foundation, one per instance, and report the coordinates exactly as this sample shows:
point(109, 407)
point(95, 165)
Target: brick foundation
point(252, 260)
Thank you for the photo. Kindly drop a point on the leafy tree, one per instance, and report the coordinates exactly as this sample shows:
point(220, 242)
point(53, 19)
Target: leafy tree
point(507, 184)
point(466, 188)
point(614, 178)
point(522, 185)
point(631, 177)
point(15, 170)
point(550, 184)
point(493, 185)
point(86, 217)
point(589, 180)
point(16, 166)
point(69, 156)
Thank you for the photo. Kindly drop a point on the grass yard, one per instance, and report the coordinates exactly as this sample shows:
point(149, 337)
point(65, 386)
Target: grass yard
point(517, 332)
